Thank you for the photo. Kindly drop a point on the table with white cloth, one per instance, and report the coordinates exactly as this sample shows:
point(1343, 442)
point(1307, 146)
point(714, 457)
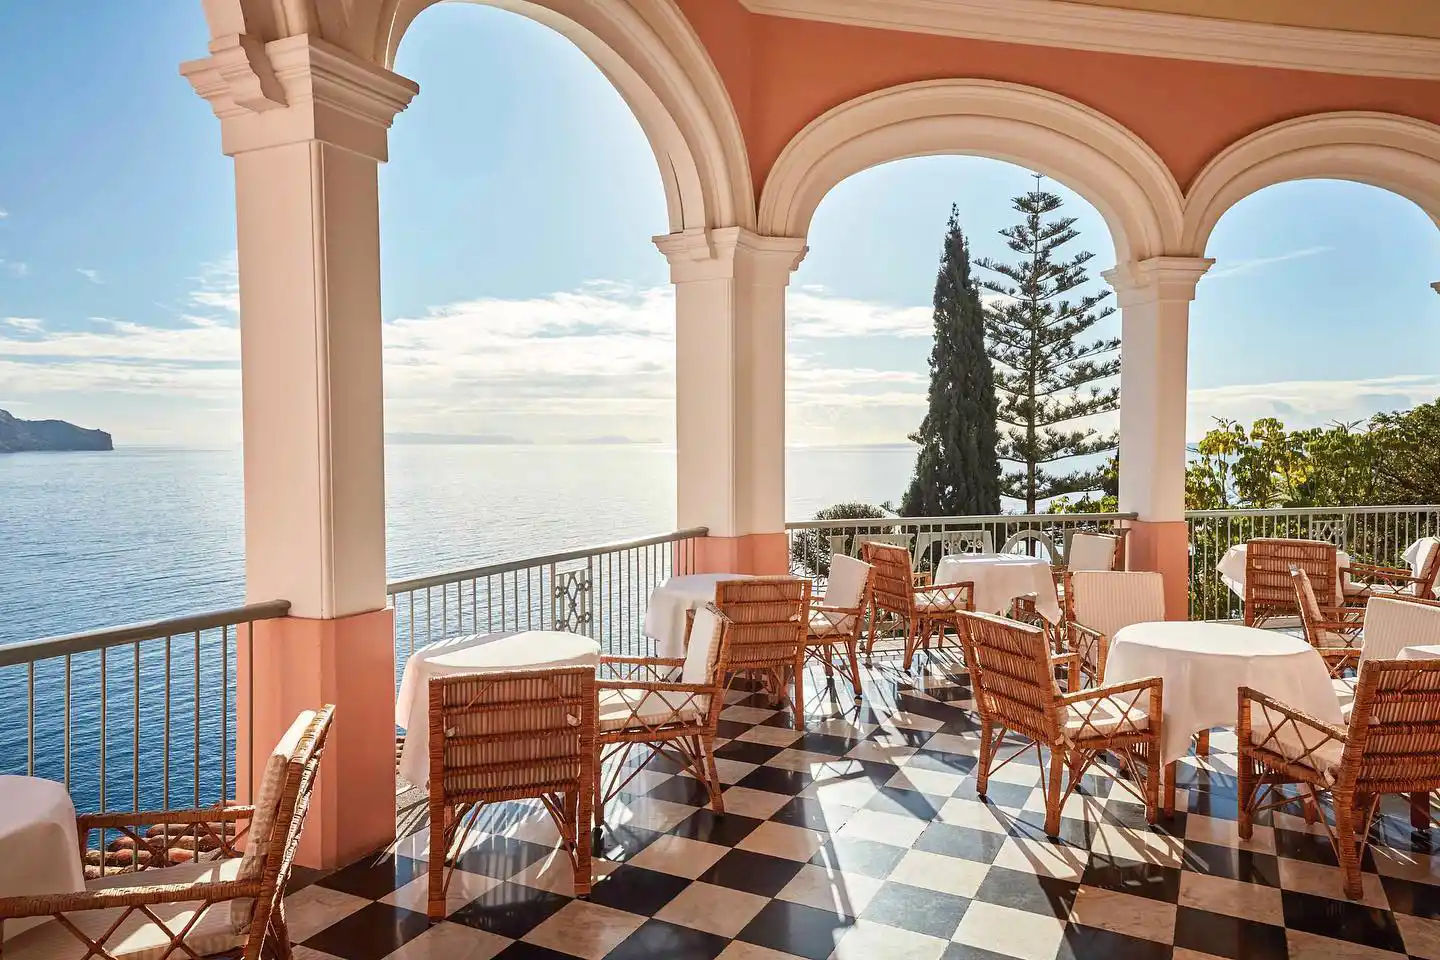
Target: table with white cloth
point(39, 850)
point(477, 653)
point(1422, 651)
point(1204, 664)
point(1232, 569)
point(1001, 578)
point(665, 615)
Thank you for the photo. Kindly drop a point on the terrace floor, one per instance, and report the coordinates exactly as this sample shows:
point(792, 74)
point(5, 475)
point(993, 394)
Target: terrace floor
point(862, 837)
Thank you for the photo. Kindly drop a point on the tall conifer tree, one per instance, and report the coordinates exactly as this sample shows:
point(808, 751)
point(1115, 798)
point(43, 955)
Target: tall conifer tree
point(956, 470)
point(1046, 377)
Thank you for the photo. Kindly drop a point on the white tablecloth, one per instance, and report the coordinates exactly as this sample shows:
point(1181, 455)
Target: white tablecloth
point(39, 851)
point(1420, 652)
point(1204, 664)
point(1232, 569)
point(474, 654)
point(665, 616)
point(1002, 577)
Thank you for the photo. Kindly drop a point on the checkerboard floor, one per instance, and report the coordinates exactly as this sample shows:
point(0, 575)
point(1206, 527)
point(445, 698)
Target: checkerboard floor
point(862, 837)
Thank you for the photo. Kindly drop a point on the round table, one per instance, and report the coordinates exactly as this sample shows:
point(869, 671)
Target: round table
point(1001, 578)
point(1204, 664)
point(476, 653)
point(39, 849)
point(665, 614)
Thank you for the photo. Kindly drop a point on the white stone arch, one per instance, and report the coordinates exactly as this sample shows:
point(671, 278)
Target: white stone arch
point(645, 47)
point(1396, 153)
point(1087, 151)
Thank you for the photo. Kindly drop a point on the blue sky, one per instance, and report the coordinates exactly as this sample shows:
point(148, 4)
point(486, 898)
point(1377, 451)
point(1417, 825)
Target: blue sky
point(522, 295)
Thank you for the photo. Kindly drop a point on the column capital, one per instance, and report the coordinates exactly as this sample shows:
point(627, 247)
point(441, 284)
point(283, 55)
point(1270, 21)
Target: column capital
point(297, 89)
point(714, 254)
point(1157, 279)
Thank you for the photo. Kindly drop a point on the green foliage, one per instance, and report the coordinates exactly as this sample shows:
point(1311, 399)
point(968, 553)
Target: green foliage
point(1105, 500)
point(1046, 377)
point(957, 472)
point(1407, 460)
point(810, 547)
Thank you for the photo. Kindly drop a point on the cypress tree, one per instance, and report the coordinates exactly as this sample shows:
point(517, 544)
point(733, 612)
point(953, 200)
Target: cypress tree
point(1046, 378)
point(956, 471)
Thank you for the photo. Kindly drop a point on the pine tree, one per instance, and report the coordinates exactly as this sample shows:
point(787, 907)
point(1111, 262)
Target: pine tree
point(956, 471)
point(1045, 376)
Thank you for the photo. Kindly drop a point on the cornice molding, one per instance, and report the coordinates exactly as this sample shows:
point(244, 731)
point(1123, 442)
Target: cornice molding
point(1136, 32)
point(1158, 279)
point(712, 254)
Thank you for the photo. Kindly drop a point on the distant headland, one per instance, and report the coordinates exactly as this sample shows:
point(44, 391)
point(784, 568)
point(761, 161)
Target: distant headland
point(19, 436)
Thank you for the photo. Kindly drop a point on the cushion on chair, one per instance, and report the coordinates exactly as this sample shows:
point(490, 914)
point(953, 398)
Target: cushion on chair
point(1110, 599)
point(1091, 551)
point(832, 624)
point(1109, 716)
point(138, 938)
point(704, 641)
point(267, 803)
point(1391, 625)
point(937, 601)
point(847, 582)
point(1294, 741)
point(621, 709)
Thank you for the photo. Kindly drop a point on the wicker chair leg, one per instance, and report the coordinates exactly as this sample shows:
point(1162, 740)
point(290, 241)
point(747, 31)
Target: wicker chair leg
point(987, 756)
point(1169, 788)
point(912, 638)
point(598, 810)
point(280, 932)
point(577, 811)
point(1420, 810)
point(712, 777)
point(1347, 851)
point(850, 646)
point(1151, 758)
point(798, 705)
point(1052, 793)
point(1202, 743)
point(1245, 788)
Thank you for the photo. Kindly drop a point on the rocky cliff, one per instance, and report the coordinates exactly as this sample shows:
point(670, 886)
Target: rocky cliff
point(21, 435)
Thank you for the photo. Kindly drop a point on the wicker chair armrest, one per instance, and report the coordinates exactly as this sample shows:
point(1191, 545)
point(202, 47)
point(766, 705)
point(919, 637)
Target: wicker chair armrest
point(1111, 690)
point(210, 891)
point(1066, 658)
point(1377, 570)
point(1340, 656)
point(656, 686)
point(1250, 696)
point(643, 661)
point(1078, 627)
point(226, 814)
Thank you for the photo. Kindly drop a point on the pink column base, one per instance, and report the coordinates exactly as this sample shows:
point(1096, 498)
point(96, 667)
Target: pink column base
point(297, 665)
point(755, 553)
point(1163, 546)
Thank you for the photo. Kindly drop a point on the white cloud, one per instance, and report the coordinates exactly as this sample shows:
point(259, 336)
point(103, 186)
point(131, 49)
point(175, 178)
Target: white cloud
point(814, 314)
point(218, 285)
point(1307, 403)
point(26, 324)
point(14, 268)
point(92, 275)
point(4, 213)
point(1237, 267)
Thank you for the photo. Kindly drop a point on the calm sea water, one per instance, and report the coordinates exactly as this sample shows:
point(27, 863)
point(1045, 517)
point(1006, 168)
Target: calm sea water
point(91, 540)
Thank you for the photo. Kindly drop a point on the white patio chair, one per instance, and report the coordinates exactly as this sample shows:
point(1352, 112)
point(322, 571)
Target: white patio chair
point(1101, 602)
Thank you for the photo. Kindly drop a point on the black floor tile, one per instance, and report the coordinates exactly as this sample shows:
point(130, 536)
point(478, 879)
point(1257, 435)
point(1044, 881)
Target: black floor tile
point(805, 812)
point(509, 910)
point(1315, 848)
point(519, 950)
point(1047, 896)
point(1088, 943)
point(825, 743)
point(906, 803)
point(374, 877)
point(1221, 861)
point(776, 780)
point(1417, 899)
point(620, 843)
point(501, 857)
point(952, 840)
point(751, 872)
point(656, 938)
point(1222, 935)
point(637, 890)
point(1009, 795)
point(725, 829)
point(963, 951)
point(796, 929)
point(917, 910)
point(746, 751)
point(372, 932)
point(686, 790)
point(853, 855)
point(1342, 920)
point(938, 761)
point(1153, 880)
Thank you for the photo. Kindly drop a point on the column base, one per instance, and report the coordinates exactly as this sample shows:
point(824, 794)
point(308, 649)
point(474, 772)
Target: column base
point(299, 664)
point(755, 553)
point(1163, 546)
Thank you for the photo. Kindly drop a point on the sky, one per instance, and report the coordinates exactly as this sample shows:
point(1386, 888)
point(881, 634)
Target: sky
point(522, 297)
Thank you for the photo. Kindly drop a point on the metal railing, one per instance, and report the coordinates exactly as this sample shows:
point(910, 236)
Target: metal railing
point(131, 718)
point(601, 592)
point(812, 542)
point(1370, 534)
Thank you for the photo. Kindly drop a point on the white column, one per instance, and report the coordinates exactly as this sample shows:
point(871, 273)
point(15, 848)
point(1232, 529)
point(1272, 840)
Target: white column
point(1154, 297)
point(730, 378)
point(306, 124)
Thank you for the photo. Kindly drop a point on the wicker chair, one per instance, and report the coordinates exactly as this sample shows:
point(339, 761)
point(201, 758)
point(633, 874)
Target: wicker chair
point(642, 704)
point(1099, 603)
point(922, 610)
point(1333, 631)
point(1366, 580)
point(1015, 693)
point(837, 618)
point(226, 903)
point(510, 735)
point(770, 619)
point(1391, 745)
point(1269, 591)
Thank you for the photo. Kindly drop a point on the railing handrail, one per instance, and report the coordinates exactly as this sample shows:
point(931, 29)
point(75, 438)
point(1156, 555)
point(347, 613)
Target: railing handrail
point(27, 651)
point(509, 566)
point(1303, 511)
point(991, 518)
